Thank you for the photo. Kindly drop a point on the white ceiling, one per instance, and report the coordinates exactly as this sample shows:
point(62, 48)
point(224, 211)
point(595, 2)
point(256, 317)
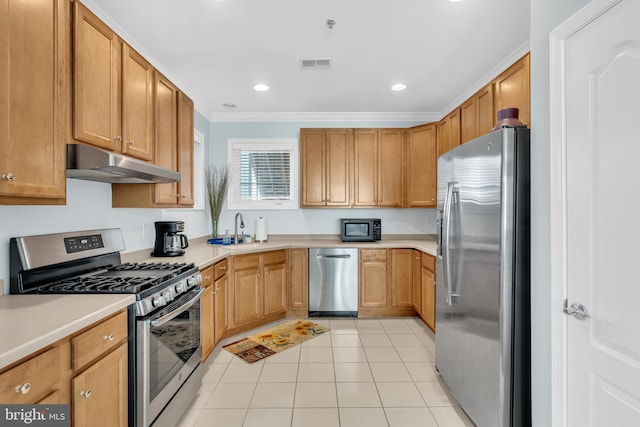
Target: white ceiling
point(216, 50)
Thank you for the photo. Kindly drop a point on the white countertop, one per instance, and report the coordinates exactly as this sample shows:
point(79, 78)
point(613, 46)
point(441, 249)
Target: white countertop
point(204, 254)
point(31, 322)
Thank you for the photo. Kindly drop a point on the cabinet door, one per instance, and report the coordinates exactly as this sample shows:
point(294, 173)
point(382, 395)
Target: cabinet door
point(34, 61)
point(422, 159)
point(312, 167)
point(416, 268)
point(428, 298)
point(275, 290)
point(401, 278)
point(391, 154)
point(299, 277)
point(207, 312)
point(166, 136)
point(485, 112)
point(373, 279)
point(220, 310)
point(454, 128)
point(99, 394)
point(207, 323)
point(338, 167)
point(247, 296)
point(469, 120)
point(96, 81)
point(137, 105)
point(366, 167)
point(512, 89)
point(444, 138)
point(185, 150)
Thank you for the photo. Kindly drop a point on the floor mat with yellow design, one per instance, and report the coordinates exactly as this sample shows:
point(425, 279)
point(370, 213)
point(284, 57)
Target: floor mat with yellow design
point(266, 343)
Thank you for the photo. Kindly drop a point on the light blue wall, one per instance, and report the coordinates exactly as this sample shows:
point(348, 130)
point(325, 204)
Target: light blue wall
point(310, 221)
point(545, 16)
point(89, 207)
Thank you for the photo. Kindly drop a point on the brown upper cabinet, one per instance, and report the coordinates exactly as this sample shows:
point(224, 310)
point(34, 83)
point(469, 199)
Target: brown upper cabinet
point(185, 150)
point(449, 132)
point(35, 48)
point(477, 114)
point(422, 155)
point(379, 167)
point(512, 90)
point(325, 165)
point(174, 150)
point(113, 89)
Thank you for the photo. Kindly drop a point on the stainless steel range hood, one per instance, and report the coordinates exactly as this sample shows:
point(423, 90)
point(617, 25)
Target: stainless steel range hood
point(94, 164)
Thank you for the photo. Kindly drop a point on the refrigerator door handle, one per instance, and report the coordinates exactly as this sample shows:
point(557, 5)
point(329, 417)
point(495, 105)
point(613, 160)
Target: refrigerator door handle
point(452, 189)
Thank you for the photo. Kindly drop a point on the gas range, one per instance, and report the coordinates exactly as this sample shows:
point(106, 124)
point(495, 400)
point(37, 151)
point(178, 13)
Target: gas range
point(164, 348)
point(89, 262)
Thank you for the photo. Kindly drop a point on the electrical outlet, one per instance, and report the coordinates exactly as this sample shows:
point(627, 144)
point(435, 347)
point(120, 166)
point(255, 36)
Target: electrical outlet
point(144, 230)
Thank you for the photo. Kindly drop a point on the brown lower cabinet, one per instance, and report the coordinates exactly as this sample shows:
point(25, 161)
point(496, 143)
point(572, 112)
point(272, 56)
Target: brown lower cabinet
point(385, 282)
point(87, 370)
point(100, 392)
point(207, 312)
point(298, 282)
point(428, 291)
point(257, 289)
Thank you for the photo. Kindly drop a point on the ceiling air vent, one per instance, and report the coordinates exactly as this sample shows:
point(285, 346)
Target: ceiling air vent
point(316, 64)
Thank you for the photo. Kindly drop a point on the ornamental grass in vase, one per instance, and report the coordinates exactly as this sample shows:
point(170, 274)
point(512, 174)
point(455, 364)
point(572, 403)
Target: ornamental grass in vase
point(217, 181)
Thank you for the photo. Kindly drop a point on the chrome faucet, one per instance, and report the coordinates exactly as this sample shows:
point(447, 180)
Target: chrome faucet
point(235, 223)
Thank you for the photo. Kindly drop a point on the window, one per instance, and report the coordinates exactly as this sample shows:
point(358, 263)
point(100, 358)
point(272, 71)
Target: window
point(264, 173)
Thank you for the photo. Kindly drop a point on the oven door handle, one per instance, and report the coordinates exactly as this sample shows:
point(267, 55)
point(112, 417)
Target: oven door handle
point(164, 319)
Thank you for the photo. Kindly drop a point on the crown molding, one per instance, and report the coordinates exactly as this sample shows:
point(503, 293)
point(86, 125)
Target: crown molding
point(325, 117)
point(521, 51)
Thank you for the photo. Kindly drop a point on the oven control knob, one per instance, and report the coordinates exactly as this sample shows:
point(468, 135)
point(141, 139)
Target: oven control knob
point(167, 296)
point(192, 281)
point(180, 288)
point(158, 301)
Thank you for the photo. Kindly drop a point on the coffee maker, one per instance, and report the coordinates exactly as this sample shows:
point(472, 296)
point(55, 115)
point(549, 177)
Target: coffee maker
point(169, 241)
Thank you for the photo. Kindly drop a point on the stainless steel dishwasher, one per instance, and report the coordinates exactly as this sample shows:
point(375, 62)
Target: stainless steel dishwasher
point(333, 282)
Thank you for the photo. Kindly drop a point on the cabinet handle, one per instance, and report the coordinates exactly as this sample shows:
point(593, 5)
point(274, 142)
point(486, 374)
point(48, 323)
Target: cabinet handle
point(22, 389)
point(86, 393)
point(109, 337)
point(217, 289)
point(117, 138)
point(9, 177)
point(258, 274)
point(129, 142)
point(224, 267)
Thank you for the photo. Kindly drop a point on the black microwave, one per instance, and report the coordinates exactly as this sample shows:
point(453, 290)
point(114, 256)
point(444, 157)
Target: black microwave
point(360, 229)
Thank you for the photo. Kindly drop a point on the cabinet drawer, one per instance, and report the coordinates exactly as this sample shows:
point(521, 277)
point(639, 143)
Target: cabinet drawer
point(429, 262)
point(246, 261)
point(373, 254)
point(207, 276)
point(98, 340)
point(274, 257)
point(31, 380)
point(220, 269)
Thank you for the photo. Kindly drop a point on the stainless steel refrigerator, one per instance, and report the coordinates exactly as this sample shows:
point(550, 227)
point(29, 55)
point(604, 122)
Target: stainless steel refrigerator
point(483, 277)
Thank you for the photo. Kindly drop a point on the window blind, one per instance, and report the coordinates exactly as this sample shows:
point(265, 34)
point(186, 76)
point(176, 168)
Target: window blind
point(262, 175)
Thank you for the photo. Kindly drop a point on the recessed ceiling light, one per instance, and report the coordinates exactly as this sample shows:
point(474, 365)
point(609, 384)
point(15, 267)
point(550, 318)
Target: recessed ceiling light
point(261, 87)
point(455, 1)
point(229, 105)
point(398, 87)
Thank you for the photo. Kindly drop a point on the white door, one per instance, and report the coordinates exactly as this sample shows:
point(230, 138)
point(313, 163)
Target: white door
point(600, 219)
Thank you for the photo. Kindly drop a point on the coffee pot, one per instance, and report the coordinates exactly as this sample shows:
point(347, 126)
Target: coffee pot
point(169, 240)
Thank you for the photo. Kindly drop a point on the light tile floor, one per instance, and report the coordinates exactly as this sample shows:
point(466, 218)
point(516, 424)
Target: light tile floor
point(364, 372)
